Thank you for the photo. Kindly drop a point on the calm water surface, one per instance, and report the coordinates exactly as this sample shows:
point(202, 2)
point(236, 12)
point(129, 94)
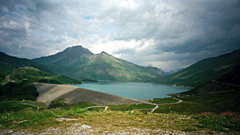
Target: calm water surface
point(134, 90)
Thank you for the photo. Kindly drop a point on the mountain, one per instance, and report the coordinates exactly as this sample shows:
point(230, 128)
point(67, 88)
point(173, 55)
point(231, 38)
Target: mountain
point(79, 62)
point(205, 71)
point(228, 83)
point(71, 56)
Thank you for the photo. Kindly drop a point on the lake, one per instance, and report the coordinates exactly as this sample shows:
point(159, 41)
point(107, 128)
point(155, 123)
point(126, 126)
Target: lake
point(135, 90)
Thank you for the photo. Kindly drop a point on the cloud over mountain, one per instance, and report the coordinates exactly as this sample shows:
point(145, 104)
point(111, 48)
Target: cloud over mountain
point(165, 33)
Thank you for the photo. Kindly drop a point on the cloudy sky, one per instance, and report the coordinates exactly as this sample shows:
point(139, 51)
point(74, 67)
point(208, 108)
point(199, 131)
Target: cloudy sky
point(168, 34)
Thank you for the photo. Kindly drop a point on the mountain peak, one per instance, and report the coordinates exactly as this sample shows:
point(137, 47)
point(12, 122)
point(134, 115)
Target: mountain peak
point(67, 56)
point(76, 50)
point(75, 62)
point(74, 47)
point(103, 52)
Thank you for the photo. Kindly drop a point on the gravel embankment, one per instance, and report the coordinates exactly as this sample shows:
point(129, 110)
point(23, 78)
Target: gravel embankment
point(73, 95)
point(83, 129)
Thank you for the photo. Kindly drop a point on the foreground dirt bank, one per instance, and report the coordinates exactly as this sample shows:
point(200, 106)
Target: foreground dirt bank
point(73, 95)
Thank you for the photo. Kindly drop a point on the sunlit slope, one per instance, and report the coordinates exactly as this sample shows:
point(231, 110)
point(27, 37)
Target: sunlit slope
point(34, 75)
point(9, 63)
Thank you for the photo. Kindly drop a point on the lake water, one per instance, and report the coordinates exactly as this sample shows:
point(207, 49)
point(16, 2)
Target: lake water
point(134, 90)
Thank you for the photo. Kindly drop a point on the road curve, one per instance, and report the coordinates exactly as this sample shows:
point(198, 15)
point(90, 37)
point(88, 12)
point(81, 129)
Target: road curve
point(157, 105)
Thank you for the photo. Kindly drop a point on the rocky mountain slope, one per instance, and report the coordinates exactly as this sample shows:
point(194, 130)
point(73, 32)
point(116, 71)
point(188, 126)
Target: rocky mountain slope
point(79, 62)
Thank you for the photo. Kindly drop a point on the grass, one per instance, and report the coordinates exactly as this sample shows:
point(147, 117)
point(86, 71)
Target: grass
point(218, 102)
point(15, 106)
point(35, 75)
point(186, 116)
point(30, 119)
point(24, 117)
point(226, 121)
point(164, 100)
point(136, 119)
point(187, 108)
point(130, 107)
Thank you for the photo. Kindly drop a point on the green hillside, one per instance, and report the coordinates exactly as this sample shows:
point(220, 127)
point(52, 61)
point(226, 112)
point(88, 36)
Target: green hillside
point(34, 75)
point(22, 90)
point(203, 71)
point(9, 63)
point(16, 62)
point(106, 67)
point(78, 62)
point(5, 70)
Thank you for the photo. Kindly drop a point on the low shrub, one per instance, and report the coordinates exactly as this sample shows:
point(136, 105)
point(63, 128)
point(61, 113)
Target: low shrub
point(57, 103)
point(225, 121)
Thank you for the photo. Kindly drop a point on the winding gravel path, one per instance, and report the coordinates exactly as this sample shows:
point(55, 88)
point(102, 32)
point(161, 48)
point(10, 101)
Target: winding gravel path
point(38, 108)
point(157, 105)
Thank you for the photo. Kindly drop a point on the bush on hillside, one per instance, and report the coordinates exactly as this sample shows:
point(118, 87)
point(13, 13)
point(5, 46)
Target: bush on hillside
point(52, 81)
point(60, 102)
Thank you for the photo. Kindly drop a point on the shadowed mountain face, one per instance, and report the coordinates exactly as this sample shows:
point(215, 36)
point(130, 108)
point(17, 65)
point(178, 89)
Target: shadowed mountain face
point(78, 62)
point(224, 67)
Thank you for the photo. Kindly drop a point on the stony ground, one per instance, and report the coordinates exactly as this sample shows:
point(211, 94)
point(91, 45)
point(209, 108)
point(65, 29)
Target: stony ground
point(82, 129)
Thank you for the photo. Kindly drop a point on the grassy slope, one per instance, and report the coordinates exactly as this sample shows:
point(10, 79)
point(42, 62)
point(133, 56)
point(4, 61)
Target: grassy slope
point(203, 71)
point(35, 75)
point(204, 103)
point(123, 116)
point(20, 62)
point(5, 70)
point(16, 106)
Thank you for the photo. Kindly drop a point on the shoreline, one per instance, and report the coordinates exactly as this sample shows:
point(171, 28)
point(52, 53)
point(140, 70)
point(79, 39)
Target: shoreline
point(161, 91)
point(174, 85)
point(73, 95)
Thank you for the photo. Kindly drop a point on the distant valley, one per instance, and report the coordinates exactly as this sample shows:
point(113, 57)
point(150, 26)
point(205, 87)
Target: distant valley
point(81, 64)
point(215, 82)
